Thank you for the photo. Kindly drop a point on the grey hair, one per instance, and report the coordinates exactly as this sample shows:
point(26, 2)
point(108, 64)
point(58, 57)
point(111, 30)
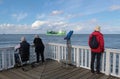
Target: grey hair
point(23, 38)
point(36, 36)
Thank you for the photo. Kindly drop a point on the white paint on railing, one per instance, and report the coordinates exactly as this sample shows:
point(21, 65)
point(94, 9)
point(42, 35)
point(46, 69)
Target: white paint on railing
point(86, 58)
point(89, 60)
point(119, 66)
point(81, 65)
point(81, 57)
point(107, 63)
point(77, 58)
point(114, 63)
point(62, 54)
point(6, 58)
point(73, 56)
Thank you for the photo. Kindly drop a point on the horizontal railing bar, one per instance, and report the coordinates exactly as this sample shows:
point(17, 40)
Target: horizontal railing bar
point(59, 52)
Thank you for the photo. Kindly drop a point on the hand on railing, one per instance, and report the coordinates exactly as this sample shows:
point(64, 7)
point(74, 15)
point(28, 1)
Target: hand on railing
point(16, 47)
point(15, 50)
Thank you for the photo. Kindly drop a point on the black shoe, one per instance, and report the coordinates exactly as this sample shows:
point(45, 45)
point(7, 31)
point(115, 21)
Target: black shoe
point(37, 64)
point(43, 61)
point(92, 71)
point(98, 72)
point(24, 69)
point(32, 65)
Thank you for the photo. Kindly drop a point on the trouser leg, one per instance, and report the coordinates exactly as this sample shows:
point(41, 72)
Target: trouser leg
point(98, 62)
point(92, 61)
point(42, 56)
point(37, 57)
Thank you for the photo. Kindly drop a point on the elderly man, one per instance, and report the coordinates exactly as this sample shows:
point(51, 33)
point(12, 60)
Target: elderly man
point(24, 50)
point(96, 52)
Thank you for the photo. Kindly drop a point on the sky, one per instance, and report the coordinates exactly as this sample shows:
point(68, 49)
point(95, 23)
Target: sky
point(38, 16)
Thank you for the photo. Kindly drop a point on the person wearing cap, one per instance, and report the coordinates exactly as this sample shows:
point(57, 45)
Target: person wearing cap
point(96, 52)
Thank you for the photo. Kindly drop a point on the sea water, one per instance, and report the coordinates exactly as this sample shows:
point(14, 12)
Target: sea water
point(111, 40)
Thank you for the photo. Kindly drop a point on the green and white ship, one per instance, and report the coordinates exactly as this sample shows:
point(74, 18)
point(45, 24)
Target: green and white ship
point(61, 32)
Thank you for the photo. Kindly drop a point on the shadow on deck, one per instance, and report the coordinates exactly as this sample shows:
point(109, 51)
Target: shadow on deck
point(51, 70)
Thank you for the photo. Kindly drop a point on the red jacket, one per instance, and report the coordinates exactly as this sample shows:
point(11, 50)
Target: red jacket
point(100, 39)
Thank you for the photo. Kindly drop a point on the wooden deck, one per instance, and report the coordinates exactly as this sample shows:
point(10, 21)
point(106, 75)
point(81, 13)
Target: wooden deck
point(51, 70)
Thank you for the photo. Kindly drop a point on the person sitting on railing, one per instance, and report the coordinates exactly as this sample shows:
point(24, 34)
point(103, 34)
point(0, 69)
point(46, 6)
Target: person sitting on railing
point(97, 48)
point(24, 50)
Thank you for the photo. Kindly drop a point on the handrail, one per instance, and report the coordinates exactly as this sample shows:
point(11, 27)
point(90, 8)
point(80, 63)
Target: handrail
point(6, 58)
point(81, 57)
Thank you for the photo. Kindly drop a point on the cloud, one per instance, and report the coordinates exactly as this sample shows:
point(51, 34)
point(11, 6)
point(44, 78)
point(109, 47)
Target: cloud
point(108, 29)
point(16, 29)
point(20, 16)
point(115, 7)
point(78, 27)
point(40, 16)
point(56, 12)
point(37, 24)
point(42, 26)
point(56, 25)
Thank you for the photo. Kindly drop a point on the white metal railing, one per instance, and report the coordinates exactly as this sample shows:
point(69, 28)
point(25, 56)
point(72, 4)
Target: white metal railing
point(81, 57)
point(6, 58)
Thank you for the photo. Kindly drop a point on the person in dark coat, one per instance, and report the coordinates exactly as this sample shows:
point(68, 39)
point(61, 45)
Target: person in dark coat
point(24, 49)
point(39, 48)
point(96, 53)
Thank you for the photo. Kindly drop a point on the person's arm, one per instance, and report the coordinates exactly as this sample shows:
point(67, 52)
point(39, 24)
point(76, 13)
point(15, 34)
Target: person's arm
point(89, 39)
point(17, 47)
point(34, 42)
point(102, 43)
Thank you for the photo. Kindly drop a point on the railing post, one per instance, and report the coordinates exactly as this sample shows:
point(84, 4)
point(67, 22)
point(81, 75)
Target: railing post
point(58, 54)
point(78, 58)
point(89, 58)
point(107, 66)
point(81, 57)
point(119, 67)
point(3, 64)
point(86, 58)
point(103, 63)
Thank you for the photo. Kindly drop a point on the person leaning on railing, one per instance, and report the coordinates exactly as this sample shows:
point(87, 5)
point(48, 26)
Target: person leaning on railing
point(39, 48)
point(96, 52)
point(24, 51)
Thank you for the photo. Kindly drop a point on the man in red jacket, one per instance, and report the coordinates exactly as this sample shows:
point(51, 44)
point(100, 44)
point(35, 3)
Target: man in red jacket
point(96, 52)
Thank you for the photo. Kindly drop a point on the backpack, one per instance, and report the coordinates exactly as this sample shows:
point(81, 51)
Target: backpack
point(94, 42)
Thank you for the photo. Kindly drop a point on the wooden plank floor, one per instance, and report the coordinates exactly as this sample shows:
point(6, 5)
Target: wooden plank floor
point(51, 70)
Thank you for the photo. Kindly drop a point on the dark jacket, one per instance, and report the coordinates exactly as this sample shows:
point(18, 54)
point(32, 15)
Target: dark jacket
point(39, 46)
point(24, 51)
point(100, 39)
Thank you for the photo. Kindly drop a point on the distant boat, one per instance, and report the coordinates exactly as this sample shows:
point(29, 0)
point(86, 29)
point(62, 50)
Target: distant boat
point(61, 32)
